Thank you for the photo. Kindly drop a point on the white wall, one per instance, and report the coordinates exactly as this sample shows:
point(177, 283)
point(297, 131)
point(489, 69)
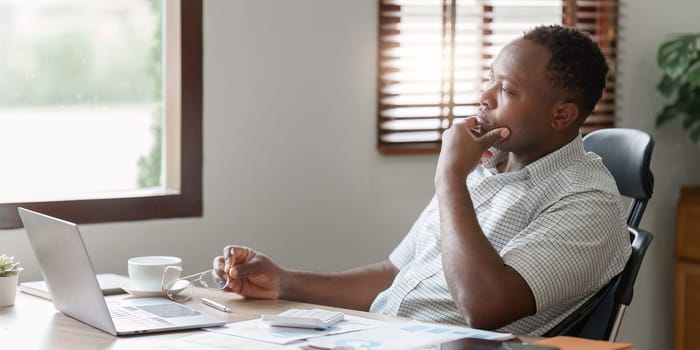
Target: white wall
point(290, 165)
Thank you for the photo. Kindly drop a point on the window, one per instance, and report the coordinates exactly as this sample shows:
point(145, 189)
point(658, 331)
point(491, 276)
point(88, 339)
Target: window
point(433, 57)
point(101, 109)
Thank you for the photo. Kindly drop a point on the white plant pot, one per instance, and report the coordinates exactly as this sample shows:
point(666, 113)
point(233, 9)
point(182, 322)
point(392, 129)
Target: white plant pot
point(8, 290)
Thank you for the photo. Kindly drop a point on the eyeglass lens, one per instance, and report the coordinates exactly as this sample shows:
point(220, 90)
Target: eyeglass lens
point(179, 290)
point(182, 289)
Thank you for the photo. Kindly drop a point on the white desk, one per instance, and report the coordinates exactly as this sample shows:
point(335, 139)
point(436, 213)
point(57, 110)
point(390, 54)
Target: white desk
point(33, 323)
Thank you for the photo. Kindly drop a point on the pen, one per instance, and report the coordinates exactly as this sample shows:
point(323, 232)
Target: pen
point(215, 305)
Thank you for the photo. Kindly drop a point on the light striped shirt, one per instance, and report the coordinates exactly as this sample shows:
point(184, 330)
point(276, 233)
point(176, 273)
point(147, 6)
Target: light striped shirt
point(559, 222)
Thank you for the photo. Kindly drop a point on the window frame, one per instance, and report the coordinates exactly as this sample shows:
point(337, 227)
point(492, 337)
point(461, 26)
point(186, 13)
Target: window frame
point(188, 201)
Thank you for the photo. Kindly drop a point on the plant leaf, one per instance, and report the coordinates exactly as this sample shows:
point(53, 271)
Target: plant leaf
point(667, 86)
point(693, 98)
point(685, 97)
point(694, 134)
point(690, 119)
point(669, 112)
point(694, 73)
point(675, 55)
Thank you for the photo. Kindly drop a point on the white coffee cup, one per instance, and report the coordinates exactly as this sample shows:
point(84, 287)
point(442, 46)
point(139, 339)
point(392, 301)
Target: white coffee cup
point(146, 272)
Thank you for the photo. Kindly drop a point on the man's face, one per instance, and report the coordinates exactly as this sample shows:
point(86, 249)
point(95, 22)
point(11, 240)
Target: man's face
point(519, 96)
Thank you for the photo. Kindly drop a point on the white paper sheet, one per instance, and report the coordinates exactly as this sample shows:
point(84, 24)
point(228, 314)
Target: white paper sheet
point(384, 336)
point(408, 335)
point(256, 329)
point(219, 341)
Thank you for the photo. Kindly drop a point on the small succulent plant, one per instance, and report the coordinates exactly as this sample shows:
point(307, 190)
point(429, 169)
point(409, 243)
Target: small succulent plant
point(8, 266)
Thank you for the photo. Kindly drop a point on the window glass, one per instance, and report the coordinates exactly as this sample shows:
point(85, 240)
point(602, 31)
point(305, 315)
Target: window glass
point(81, 99)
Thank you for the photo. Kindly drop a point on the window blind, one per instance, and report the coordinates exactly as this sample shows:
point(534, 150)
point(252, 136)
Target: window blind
point(433, 56)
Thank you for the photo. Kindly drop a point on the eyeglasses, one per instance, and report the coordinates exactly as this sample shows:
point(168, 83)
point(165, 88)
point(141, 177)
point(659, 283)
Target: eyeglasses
point(182, 288)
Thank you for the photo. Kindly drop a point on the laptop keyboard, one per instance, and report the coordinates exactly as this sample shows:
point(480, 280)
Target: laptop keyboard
point(131, 317)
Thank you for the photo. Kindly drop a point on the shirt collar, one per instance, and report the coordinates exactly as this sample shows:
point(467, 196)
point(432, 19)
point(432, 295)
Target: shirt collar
point(497, 156)
point(543, 167)
point(559, 159)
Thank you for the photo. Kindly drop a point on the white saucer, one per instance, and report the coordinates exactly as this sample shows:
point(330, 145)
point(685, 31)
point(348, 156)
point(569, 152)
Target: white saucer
point(137, 292)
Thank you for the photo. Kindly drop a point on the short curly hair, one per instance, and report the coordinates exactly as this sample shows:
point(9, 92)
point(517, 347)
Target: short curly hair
point(577, 66)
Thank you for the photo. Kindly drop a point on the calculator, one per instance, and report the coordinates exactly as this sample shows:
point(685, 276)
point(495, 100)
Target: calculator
point(304, 318)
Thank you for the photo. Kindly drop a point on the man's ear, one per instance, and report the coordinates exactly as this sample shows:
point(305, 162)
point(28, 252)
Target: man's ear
point(565, 114)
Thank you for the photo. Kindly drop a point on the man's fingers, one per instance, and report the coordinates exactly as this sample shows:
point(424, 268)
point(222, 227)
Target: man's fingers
point(235, 286)
point(227, 251)
point(226, 254)
point(470, 122)
point(218, 263)
point(241, 255)
point(218, 266)
point(493, 137)
point(235, 254)
point(242, 271)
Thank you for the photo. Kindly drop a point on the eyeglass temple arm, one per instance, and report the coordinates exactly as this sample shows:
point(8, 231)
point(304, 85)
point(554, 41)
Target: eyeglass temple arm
point(196, 274)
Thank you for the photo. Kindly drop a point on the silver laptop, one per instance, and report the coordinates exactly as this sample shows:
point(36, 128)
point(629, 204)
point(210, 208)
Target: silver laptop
point(67, 270)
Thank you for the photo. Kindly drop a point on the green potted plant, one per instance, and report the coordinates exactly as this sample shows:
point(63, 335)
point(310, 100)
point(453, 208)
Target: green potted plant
point(9, 274)
point(679, 58)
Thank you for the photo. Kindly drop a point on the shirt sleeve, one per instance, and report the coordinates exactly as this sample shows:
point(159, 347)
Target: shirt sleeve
point(572, 248)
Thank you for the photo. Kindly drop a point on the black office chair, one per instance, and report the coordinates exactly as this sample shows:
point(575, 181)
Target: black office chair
point(627, 154)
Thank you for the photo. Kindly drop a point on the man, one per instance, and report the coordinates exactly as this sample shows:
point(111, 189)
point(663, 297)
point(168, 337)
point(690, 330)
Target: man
point(524, 226)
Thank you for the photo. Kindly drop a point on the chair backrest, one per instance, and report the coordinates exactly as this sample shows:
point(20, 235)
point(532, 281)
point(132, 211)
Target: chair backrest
point(600, 316)
point(627, 154)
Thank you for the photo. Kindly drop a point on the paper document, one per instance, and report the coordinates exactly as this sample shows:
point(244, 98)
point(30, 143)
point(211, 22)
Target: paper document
point(408, 335)
point(258, 330)
point(219, 341)
point(401, 336)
